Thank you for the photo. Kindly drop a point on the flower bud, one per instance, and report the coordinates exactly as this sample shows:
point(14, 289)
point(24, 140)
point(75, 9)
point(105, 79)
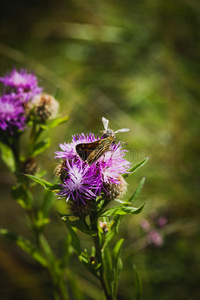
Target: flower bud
point(115, 190)
point(80, 210)
point(30, 166)
point(45, 107)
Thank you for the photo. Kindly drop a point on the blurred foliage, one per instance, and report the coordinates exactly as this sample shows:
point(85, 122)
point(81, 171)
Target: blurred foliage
point(137, 64)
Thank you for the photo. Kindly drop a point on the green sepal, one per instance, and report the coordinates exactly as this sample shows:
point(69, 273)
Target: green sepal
point(40, 147)
point(26, 245)
point(135, 167)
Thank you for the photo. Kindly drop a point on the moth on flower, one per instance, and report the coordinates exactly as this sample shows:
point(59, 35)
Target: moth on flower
point(91, 152)
point(99, 172)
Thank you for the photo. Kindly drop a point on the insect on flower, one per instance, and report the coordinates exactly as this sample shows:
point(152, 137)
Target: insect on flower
point(90, 152)
point(109, 132)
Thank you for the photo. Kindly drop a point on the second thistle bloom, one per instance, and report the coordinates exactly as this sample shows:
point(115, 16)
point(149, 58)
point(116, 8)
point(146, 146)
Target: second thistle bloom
point(21, 83)
point(11, 114)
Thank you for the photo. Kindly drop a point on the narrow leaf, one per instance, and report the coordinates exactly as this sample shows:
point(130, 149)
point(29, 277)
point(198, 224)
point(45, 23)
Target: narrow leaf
point(48, 203)
point(26, 245)
point(137, 192)
point(107, 266)
point(138, 284)
point(56, 122)
point(75, 239)
point(135, 167)
point(117, 264)
point(41, 146)
point(44, 183)
point(77, 224)
point(117, 249)
point(122, 210)
point(113, 230)
point(7, 157)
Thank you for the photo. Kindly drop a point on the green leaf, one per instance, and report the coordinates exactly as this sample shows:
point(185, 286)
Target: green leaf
point(113, 230)
point(40, 147)
point(75, 239)
point(26, 245)
point(44, 183)
point(7, 157)
point(47, 249)
point(117, 249)
point(135, 167)
point(77, 224)
point(85, 259)
point(138, 284)
point(117, 265)
point(48, 203)
point(122, 210)
point(107, 267)
point(137, 192)
point(56, 122)
point(22, 195)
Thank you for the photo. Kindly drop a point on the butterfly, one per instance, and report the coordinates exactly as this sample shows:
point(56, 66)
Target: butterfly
point(90, 152)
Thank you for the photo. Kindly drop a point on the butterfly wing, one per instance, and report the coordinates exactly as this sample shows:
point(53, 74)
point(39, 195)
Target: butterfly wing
point(102, 147)
point(85, 149)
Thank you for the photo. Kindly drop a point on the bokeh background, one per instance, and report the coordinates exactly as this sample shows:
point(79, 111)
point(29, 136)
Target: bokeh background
point(136, 63)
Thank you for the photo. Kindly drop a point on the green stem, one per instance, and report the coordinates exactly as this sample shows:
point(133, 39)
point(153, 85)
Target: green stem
point(56, 275)
point(99, 259)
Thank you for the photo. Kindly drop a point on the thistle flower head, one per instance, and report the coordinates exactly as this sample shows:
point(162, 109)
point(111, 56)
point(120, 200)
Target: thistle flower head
point(11, 114)
point(82, 183)
point(21, 83)
point(113, 163)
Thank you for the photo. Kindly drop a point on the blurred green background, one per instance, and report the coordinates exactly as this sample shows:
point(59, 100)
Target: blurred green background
point(136, 63)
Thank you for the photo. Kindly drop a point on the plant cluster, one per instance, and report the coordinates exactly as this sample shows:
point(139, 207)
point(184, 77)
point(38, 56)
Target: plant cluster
point(93, 191)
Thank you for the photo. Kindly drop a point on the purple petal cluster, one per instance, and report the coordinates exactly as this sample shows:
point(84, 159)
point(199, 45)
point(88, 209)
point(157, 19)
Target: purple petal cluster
point(20, 87)
point(11, 114)
point(21, 83)
point(151, 228)
point(85, 181)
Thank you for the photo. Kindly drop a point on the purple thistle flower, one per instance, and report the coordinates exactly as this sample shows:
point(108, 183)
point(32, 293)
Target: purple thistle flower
point(22, 83)
point(11, 114)
point(82, 183)
point(112, 164)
